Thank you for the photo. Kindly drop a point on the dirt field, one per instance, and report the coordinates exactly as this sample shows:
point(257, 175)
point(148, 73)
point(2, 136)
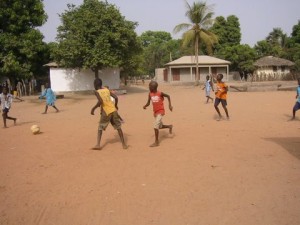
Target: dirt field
point(242, 171)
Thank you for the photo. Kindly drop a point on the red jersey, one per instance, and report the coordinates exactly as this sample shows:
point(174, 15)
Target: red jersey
point(158, 103)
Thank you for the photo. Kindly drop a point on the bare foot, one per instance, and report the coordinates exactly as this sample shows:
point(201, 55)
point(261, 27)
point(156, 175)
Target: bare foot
point(171, 129)
point(15, 121)
point(125, 146)
point(220, 118)
point(97, 147)
point(44, 113)
point(155, 144)
point(5, 127)
point(57, 111)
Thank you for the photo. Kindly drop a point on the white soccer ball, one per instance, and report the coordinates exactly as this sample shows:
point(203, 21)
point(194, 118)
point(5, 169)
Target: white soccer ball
point(35, 129)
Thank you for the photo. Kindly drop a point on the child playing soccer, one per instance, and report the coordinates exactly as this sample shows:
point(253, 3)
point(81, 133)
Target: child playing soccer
point(297, 104)
point(5, 102)
point(208, 87)
point(50, 98)
point(157, 99)
point(221, 96)
point(109, 112)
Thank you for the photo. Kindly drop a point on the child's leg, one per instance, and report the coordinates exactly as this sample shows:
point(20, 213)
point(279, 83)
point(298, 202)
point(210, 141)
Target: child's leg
point(4, 116)
point(120, 132)
point(224, 104)
point(170, 127)
point(156, 143)
point(217, 102)
point(55, 108)
point(296, 108)
point(207, 98)
point(99, 135)
point(46, 108)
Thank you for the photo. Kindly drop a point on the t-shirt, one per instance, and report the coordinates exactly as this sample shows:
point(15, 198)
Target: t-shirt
point(158, 103)
point(6, 100)
point(221, 90)
point(108, 106)
point(298, 93)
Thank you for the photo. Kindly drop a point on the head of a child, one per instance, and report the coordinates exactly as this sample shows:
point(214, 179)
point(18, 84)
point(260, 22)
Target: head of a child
point(4, 90)
point(207, 77)
point(47, 85)
point(153, 86)
point(219, 77)
point(97, 83)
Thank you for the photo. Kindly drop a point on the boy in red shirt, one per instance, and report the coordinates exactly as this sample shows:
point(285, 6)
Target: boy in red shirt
point(221, 96)
point(157, 99)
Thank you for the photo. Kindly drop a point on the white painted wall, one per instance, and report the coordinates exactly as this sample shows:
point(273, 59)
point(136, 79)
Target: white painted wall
point(82, 80)
point(159, 74)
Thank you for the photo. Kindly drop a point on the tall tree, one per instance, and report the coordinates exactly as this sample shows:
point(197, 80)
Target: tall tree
point(22, 50)
point(158, 49)
point(95, 35)
point(200, 16)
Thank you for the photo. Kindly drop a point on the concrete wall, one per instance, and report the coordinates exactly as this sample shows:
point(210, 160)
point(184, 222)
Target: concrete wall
point(159, 74)
point(82, 80)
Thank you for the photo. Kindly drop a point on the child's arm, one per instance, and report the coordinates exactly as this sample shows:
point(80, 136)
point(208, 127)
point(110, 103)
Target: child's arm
point(212, 85)
point(148, 102)
point(116, 99)
point(169, 99)
point(98, 104)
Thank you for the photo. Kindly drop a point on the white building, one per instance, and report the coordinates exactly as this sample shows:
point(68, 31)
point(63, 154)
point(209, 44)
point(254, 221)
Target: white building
point(68, 80)
point(184, 69)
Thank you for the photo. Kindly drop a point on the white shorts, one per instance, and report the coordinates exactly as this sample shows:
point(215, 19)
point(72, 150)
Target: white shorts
point(158, 121)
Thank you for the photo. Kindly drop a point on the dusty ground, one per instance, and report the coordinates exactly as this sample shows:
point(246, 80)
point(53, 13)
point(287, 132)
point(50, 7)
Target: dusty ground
point(242, 171)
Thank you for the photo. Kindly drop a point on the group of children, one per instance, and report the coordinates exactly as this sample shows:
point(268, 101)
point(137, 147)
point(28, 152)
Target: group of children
point(108, 101)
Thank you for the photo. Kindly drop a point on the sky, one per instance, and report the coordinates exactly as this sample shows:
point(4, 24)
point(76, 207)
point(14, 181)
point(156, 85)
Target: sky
point(257, 17)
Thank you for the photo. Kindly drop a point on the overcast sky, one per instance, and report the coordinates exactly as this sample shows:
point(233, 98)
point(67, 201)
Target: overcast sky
point(257, 17)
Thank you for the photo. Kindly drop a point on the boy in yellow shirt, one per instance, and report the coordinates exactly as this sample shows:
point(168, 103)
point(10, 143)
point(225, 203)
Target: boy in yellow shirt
point(109, 112)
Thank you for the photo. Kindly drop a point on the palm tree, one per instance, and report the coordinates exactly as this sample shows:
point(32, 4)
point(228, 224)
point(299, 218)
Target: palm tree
point(200, 16)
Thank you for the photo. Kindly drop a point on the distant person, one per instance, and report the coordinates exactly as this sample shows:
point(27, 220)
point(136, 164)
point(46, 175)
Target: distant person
point(5, 102)
point(50, 98)
point(157, 99)
point(109, 112)
point(208, 87)
point(297, 104)
point(221, 96)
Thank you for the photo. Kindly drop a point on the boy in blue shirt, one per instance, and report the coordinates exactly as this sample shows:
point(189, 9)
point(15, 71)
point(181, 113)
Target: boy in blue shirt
point(297, 104)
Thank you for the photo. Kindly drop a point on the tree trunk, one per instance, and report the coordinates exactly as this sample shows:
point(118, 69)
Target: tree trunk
point(197, 61)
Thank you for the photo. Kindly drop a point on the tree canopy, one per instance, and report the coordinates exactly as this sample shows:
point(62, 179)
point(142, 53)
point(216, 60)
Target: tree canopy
point(22, 50)
point(95, 35)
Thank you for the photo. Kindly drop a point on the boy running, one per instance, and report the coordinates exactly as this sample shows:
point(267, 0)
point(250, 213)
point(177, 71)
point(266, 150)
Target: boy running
point(297, 104)
point(50, 98)
point(157, 99)
point(109, 112)
point(221, 96)
point(208, 87)
point(5, 101)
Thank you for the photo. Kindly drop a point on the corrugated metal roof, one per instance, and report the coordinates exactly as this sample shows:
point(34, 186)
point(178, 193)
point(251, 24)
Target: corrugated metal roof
point(202, 60)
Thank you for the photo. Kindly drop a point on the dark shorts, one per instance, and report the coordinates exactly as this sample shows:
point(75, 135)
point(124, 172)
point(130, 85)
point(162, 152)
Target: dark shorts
point(223, 101)
point(296, 106)
point(5, 110)
point(112, 118)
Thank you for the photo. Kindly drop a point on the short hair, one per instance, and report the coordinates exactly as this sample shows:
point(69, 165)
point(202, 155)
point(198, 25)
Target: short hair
point(153, 83)
point(97, 83)
point(221, 75)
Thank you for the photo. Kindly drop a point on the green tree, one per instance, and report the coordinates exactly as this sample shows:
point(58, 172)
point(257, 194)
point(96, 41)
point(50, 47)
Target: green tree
point(95, 35)
point(200, 16)
point(241, 57)
point(158, 49)
point(22, 51)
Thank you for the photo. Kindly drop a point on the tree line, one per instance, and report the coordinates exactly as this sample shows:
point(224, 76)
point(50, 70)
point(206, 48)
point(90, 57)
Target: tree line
point(95, 35)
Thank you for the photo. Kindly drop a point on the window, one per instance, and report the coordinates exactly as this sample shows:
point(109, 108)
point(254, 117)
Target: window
point(274, 68)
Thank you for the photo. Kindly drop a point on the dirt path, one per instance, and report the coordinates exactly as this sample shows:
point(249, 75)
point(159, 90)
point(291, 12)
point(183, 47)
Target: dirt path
point(242, 171)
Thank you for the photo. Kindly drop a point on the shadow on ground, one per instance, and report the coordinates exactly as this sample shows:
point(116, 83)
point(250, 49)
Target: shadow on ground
point(291, 144)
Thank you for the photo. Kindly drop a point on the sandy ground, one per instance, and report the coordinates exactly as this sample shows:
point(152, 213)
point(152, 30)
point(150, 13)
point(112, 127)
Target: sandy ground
point(242, 171)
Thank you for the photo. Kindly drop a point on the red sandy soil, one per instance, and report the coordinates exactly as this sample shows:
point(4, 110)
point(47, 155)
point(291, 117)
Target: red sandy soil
point(242, 171)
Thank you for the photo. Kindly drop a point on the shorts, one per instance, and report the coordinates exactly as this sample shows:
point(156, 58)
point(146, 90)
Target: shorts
point(5, 110)
point(112, 118)
point(158, 121)
point(296, 106)
point(223, 101)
